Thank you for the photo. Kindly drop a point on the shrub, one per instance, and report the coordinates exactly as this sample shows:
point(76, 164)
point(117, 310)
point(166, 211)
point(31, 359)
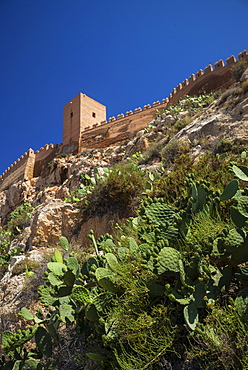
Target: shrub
point(238, 69)
point(19, 218)
point(172, 150)
point(235, 146)
point(222, 342)
point(118, 191)
point(24, 265)
point(62, 155)
point(245, 86)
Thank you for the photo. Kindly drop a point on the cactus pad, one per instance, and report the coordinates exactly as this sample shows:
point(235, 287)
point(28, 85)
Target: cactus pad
point(168, 260)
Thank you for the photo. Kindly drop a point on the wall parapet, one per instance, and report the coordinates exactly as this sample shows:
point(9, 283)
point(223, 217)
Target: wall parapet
point(210, 78)
point(44, 155)
point(183, 88)
point(21, 169)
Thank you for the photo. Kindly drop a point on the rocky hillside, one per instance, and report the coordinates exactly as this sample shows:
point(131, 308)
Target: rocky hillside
point(94, 190)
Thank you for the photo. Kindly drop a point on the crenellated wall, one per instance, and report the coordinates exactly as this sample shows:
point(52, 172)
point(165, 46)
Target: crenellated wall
point(21, 169)
point(89, 134)
point(125, 126)
point(44, 155)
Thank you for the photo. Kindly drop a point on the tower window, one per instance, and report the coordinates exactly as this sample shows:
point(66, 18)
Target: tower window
point(71, 114)
point(93, 115)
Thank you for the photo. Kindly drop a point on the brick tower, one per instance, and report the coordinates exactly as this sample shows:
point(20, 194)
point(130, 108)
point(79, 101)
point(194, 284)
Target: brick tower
point(79, 113)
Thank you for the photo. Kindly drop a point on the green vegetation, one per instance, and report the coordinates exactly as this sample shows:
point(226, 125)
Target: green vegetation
point(177, 116)
point(170, 287)
point(171, 284)
point(19, 219)
point(238, 69)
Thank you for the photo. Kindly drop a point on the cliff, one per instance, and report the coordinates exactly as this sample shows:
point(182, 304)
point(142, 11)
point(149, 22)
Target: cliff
point(73, 193)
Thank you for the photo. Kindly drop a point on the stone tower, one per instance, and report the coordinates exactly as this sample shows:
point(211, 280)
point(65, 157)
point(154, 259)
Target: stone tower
point(79, 113)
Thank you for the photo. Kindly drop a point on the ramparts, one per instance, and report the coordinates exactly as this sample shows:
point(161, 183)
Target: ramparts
point(22, 169)
point(125, 126)
point(43, 156)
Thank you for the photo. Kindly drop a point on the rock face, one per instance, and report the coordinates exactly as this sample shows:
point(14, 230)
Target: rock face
point(229, 123)
point(244, 76)
point(52, 220)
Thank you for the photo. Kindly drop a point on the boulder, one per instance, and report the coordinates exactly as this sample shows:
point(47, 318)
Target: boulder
point(52, 220)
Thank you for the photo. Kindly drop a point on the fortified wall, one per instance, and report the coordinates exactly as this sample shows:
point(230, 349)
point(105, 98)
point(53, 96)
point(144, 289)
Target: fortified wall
point(85, 124)
point(125, 126)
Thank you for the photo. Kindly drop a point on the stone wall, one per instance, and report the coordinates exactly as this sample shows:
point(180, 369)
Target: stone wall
point(90, 134)
point(80, 112)
point(125, 126)
point(22, 169)
point(43, 156)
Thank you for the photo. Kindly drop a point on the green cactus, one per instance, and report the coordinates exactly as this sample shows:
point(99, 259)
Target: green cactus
point(241, 304)
point(237, 217)
point(168, 261)
point(240, 171)
point(81, 294)
point(44, 341)
point(47, 295)
point(63, 242)
point(191, 315)
point(158, 212)
point(112, 262)
point(72, 265)
point(54, 280)
point(87, 266)
point(242, 275)
point(66, 313)
point(239, 211)
point(58, 256)
point(96, 357)
point(91, 312)
point(57, 268)
point(106, 279)
point(11, 341)
point(69, 278)
point(26, 314)
point(230, 190)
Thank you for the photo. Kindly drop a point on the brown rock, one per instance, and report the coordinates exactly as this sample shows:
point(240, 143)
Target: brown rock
point(52, 220)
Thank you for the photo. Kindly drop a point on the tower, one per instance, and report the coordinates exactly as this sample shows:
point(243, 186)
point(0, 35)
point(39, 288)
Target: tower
point(79, 113)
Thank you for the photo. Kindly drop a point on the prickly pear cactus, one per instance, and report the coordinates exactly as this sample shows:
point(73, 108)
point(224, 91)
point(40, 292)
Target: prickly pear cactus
point(112, 262)
point(191, 315)
point(239, 211)
point(168, 261)
point(11, 341)
point(241, 304)
point(157, 212)
point(230, 190)
point(106, 279)
point(63, 242)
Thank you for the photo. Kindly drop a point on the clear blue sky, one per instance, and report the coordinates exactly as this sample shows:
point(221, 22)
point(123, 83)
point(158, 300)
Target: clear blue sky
point(122, 53)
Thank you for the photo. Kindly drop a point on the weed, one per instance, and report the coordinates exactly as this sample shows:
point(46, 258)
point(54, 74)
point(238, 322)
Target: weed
point(62, 155)
point(245, 86)
point(24, 265)
point(222, 342)
point(20, 218)
point(118, 191)
point(238, 69)
point(234, 146)
point(172, 150)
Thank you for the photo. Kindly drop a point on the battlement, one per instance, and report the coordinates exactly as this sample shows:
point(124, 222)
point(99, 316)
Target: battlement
point(197, 82)
point(21, 169)
point(44, 155)
point(86, 126)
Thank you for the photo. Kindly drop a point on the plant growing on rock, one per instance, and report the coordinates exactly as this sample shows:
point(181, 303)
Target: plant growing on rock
point(129, 295)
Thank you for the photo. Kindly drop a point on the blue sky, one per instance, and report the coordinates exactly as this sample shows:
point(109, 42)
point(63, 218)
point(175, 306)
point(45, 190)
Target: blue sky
point(122, 53)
